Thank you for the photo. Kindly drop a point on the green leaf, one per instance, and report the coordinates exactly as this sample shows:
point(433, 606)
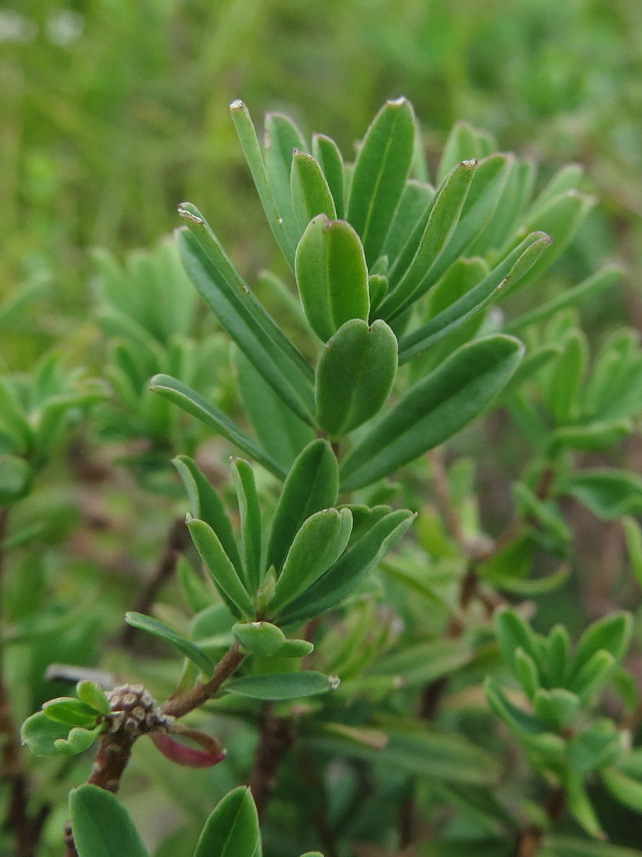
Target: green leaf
point(254, 157)
point(250, 513)
point(355, 375)
point(71, 711)
point(545, 513)
point(206, 505)
point(260, 638)
point(609, 494)
point(310, 192)
point(281, 433)
point(16, 476)
point(221, 568)
point(164, 632)
point(242, 316)
point(611, 634)
point(380, 174)
point(232, 830)
point(514, 633)
point(592, 677)
point(560, 218)
point(281, 686)
point(530, 730)
point(580, 806)
point(500, 280)
point(331, 275)
point(481, 205)
point(329, 157)
point(77, 741)
point(526, 672)
point(92, 694)
point(311, 485)
point(101, 825)
point(623, 788)
point(40, 734)
point(601, 280)
point(444, 215)
point(319, 543)
point(434, 409)
point(633, 535)
point(590, 438)
point(565, 377)
point(425, 752)
point(558, 707)
point(597, 745)
point(282, 138)
point(14, 419)
point(352, 567)
point(464, 142)
point(565, 846)
point(198, 406)
point(422, 663)
point(406, 229)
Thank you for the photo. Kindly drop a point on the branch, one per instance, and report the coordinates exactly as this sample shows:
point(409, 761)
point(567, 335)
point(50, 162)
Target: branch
point(275, 739)
point(176, 542)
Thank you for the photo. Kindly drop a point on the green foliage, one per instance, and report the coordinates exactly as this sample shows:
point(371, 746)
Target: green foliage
point(356, 667)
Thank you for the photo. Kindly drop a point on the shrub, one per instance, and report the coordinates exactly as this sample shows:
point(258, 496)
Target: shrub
point(358, 622)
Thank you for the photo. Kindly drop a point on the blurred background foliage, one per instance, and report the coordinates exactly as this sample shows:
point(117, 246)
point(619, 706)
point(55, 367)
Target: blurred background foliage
point(113, 112)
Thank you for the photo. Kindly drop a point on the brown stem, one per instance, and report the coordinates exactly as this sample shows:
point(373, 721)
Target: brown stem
point(530, 839)
point(275, 739)
point(176, 542)
point(116, 746)
point(111, 760)
point(320, 819)
point(179, 706)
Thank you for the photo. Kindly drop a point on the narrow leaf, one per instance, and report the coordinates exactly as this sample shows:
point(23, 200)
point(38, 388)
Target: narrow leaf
point(164, 632)
point(310, 192)
point(281, 686)
point(281, 433)
point(421, 663)
point(250, 513)
point(282, 138)
point(311, 485)
point(380, 174)
point(241, 314)
point(444, 215)
point(254, 157)
point(351, 569)
point(206, 505)
point(317, 545)
point(434, 409)
point(198, 406)
point(327, 153)
point(219, 565)
point(495, 285)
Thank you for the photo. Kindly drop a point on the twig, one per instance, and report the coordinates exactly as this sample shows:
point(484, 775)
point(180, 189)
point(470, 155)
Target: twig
point(179, 706)
point(530, 839)
point(276, 736)
point(176, 542)
point(311, 778)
